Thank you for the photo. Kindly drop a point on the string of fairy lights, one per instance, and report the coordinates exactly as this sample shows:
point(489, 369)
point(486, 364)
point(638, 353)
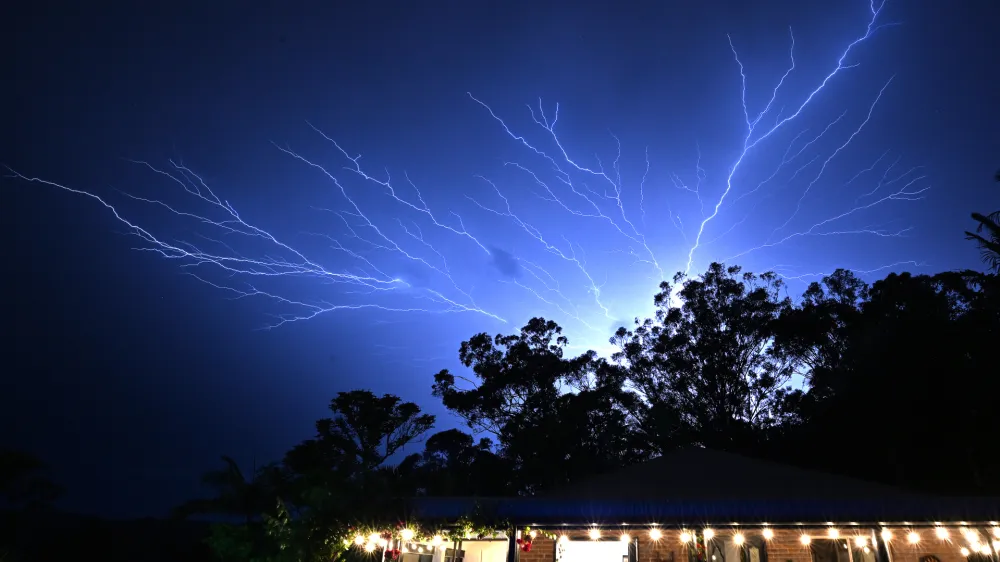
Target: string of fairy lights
point(973, 541)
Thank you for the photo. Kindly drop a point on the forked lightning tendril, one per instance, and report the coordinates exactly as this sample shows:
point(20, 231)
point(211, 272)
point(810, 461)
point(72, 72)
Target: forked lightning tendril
point(369, 248)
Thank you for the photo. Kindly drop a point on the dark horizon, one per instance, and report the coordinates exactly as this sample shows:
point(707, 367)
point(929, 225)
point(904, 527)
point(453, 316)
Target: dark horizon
point(131, 378)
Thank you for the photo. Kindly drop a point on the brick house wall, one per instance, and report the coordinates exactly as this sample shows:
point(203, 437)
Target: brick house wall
point(785, 546)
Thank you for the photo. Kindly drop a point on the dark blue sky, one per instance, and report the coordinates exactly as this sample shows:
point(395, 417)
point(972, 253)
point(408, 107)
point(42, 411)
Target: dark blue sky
point(131, 378)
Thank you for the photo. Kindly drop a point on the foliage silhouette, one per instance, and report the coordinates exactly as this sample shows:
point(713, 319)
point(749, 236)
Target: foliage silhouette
point(23, 482)
point(871, 381)
point(989, 245)
point(709, 372)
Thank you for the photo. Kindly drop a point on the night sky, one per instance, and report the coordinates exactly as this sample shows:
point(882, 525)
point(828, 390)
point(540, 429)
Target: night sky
point(130, 376)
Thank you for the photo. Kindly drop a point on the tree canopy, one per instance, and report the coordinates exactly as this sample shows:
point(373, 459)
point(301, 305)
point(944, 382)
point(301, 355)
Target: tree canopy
point(893, 381)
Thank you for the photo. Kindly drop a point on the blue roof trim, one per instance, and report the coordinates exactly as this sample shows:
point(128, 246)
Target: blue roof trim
point(547, 510)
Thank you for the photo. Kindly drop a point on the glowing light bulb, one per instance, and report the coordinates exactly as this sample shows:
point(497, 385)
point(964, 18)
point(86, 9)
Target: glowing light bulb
point(805, 539)
point(370, 547)
point(984, 549)
point(437, 540)
point(625, 538)
point(594, 534)
point(708, 534)
point(533, 534)
point(383, 543)
point(913, 537)
point(420, 548)
point(564, 539)
point(655, 534)
point(941, 533)
point(860, 542)
point(359, 540)
point(970, 535)
point(738, 539)
point(406, 534)
point(996, 532)
point(965, 552)
point(685, 537)
point(768, 534)
point(996, 546)
point(886, 535)
point(374, 537)
point(833, 533)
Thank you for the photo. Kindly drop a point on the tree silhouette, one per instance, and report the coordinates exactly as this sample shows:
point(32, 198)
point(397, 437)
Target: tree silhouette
point(364, 433)
point(235, 494)
point(23, 482)
point(987, 236)
point(709, 372)
point(907, 366)
point(553, 417)
point(455, 464)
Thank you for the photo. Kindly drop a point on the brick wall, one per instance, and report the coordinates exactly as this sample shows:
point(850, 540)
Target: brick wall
point(786, 546)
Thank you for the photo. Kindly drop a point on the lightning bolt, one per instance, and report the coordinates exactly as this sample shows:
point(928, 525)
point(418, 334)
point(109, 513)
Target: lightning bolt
point(276, 259)
point(751, 141)
point(371, 252)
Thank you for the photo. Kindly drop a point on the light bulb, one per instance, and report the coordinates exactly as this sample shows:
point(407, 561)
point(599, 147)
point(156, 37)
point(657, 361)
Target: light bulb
point(996, 532)
point(564, 539)
point(886, 535)
point(984, 549)
point(941, 533)
point(833, 533)
point(437, 540)
point(655, 534)
point(768, 534)
point(860, 542)
point(370, 547)
point(708, 534)
point(406, 534)
point(913, 537)
point(594, 534)
point(533, 534)
point(738, 539)
point(965, 552)
point(685, 537)
point(374, 537)
point(359, 540)
point(805, 539)
point(626, 538)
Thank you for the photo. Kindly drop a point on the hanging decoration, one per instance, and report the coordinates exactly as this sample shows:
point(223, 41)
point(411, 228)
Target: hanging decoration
point(529, 534)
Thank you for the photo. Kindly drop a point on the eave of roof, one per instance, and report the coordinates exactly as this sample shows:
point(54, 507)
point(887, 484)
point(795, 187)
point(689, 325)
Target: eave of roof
point(562, 511)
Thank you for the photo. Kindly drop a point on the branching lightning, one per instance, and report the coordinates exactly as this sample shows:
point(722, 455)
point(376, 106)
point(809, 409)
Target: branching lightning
point(371, 249)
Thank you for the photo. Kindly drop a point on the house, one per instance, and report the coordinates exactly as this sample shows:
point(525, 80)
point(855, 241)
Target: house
point(699, 505)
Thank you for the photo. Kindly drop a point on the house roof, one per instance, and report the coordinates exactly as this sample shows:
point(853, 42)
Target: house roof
point(701, 485)
point(705, 474)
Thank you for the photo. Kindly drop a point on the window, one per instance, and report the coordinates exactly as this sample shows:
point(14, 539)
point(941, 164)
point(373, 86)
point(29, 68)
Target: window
point(594, 551)
point(828, 550)
point(753, 550)
point(452, 555)
point(415, 557)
